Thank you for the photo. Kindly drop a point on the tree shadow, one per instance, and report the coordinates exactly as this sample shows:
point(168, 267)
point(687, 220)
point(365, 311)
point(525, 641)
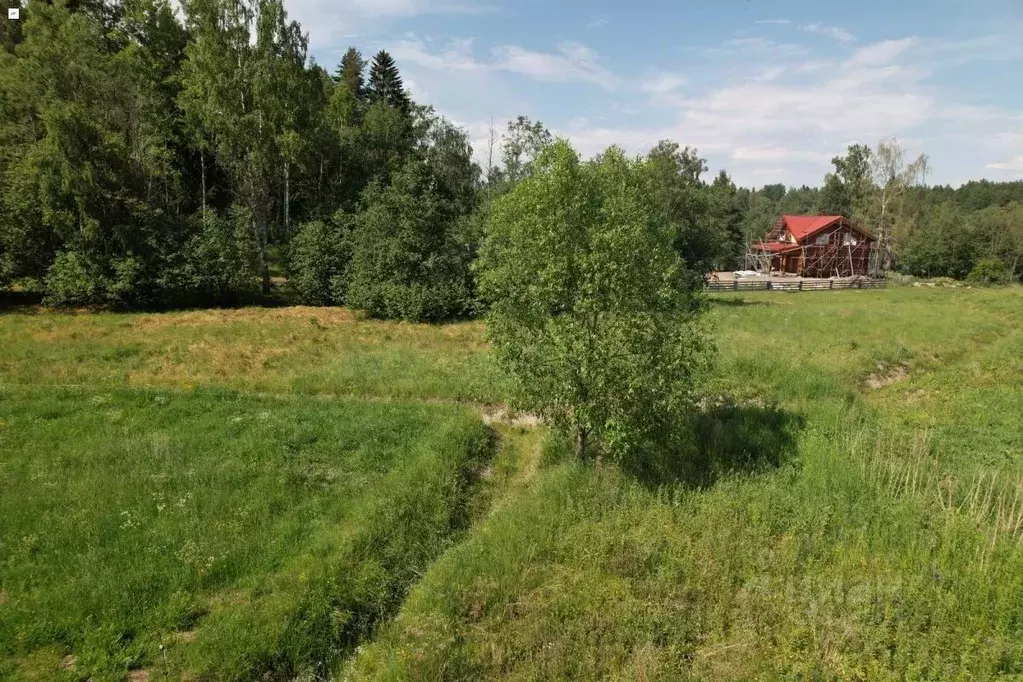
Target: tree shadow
point(719, 441)
point(734, 302)
point(19, 301)
point(30, 302)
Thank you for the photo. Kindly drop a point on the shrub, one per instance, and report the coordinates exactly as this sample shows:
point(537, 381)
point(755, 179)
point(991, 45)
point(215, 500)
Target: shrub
point(406, 262)
point(215, 264)
point(73, 280)
point(318, 263)
point(591, 313)
point(988, 271)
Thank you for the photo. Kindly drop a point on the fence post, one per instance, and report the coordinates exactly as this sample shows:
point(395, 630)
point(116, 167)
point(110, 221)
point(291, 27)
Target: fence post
point(800, 285)
point(831, 284)
point(735, 284)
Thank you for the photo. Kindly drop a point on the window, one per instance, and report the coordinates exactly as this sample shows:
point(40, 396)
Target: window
point(849, 240)
point(823, 239)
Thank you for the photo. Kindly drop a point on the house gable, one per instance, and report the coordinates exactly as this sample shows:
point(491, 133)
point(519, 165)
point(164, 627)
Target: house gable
point(806, 230)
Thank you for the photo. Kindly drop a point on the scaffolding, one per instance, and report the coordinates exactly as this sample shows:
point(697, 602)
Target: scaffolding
point(819, 261)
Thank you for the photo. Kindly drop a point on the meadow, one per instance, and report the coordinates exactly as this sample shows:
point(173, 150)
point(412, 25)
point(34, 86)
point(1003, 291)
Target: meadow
point(299, 492)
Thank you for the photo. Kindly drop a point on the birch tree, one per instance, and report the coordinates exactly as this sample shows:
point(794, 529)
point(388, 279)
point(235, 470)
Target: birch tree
point(892, 177)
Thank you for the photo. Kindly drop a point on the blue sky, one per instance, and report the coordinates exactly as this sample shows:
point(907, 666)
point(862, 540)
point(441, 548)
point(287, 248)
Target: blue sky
point(769, 90)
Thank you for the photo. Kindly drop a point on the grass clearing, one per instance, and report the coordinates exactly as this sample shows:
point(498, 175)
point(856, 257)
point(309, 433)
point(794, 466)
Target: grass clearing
point(888, 544)
point(247, 535)
point(853, 508)
point(298, 350)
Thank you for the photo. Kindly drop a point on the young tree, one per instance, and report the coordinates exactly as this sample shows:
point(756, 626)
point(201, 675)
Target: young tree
point(409, 260)
point(725, 213)
point(590, 312)
point(385, 83)
point(350, 72)
point(521, 144)
point(892, 178)
point(847, 190)
point(681, 201)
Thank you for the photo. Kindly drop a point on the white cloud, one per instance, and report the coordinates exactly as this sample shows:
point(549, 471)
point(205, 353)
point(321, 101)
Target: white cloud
point(662, 83)
point(394, 8)
point(836, 32)
point(1015, 165)
point(457, 56)
point(331, 22)
point(777, 154)
point(884, 52)
point(598, 22)
point(776, 22)
point(571, 62)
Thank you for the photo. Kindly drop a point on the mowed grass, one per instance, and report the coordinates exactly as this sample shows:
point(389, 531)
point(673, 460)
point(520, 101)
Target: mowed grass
point(248, 536)
point(851, 506)
point(876, 532)
point(298, 350)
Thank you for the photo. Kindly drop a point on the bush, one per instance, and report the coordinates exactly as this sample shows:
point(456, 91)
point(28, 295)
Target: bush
point(73, 280)
point(318, 263)
point(989, 271)
point(215, 264)
point(406, 261)
point(590, 310)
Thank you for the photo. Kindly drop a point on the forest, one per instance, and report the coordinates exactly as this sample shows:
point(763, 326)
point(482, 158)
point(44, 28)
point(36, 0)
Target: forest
point(155, 158)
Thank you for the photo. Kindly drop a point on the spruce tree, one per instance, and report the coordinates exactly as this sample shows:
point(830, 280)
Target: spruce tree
point(350, 70)
point(385, 82)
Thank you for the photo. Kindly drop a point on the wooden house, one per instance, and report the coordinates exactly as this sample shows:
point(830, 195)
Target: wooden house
point(817, 246)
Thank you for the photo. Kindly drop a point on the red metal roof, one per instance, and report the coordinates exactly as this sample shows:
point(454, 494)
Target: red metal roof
point(803, 226)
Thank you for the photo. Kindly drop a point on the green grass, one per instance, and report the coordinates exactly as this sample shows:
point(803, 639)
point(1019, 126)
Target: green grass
point(303, 351)
point(851, 506)
point(887, 545)
point(244, 534)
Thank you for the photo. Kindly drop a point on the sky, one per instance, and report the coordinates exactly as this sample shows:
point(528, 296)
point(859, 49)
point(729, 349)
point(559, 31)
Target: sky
point(768, 90)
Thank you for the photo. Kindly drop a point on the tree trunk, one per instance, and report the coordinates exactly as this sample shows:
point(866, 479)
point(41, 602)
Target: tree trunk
point(582, 442)
point(202, 160)
point(287, 199)
point(264, 266)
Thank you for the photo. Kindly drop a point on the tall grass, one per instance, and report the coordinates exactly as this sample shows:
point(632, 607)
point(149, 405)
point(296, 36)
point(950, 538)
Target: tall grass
point(246, 536)
point(886, 545)
point(850, 506)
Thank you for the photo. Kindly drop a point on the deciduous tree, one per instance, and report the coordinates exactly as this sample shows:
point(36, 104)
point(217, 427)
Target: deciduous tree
point(591, 313)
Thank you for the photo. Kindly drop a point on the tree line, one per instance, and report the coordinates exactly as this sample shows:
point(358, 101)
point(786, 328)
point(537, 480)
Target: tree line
point(153, 159)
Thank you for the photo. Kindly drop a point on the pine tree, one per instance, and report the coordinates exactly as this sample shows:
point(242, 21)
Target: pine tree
point(385, 82)
point(350, 71)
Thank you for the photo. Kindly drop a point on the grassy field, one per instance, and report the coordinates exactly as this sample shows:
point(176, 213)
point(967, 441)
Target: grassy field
point(258, 490)
point(244, 534)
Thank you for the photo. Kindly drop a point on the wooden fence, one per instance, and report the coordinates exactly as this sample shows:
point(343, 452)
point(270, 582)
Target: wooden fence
point(802, 285)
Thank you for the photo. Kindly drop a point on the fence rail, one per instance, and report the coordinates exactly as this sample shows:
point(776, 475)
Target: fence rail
point(804, 285)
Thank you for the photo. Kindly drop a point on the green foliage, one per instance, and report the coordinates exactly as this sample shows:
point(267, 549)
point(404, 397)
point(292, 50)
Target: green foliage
point(318, 267)
point(72, 280)
point(521, 145)
point(350, 72)
point(846, 192)
point(385, 83)
point(942, 245)
point(590, 311)
point(988, 271)
point(406, 263)
point(681, 201)
point(216, 264)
